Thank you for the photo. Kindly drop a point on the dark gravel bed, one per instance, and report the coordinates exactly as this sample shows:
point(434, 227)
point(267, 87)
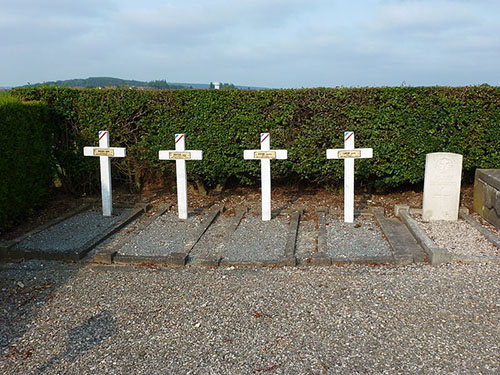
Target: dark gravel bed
point(72, 233)
point(166, 235)
point(257, 240)
point(361, 238)
point(87, 320)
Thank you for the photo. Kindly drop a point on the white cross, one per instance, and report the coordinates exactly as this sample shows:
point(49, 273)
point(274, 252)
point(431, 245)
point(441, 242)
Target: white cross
point(265, 154)
point(349, 153)
point(180, 155)
point(105, 152)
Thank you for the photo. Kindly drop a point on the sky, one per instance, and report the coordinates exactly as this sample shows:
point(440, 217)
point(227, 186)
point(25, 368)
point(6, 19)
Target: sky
point(265, 43)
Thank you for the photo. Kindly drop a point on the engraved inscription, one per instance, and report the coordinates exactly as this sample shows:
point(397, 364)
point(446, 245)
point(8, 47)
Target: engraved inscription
point(104, 152)
point(349, 154)
point(264, 155)
point(180, 155)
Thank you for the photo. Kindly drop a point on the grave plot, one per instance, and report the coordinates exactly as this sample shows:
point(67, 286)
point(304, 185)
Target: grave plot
point(164, 239)
point(340, 242)
point(463, 240)
point(209, 249)
point(70, 237)
point(260, 243)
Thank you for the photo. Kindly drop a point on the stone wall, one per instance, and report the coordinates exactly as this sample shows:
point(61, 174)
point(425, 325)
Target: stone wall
point(487, 195)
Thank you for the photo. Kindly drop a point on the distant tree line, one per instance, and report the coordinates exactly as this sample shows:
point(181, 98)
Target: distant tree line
point(94, 82)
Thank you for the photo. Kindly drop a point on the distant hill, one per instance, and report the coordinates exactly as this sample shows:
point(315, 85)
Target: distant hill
point(93, 82)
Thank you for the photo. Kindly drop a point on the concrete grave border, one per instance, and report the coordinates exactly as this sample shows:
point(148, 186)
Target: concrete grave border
point(8, 252)
point(405, 249)
point(439, 255)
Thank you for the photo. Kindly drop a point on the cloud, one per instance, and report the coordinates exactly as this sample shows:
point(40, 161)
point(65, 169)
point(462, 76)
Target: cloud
point(422, 16)
point(277, 43)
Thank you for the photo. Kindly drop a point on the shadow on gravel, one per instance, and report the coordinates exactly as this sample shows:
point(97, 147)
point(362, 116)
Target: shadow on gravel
point(25, 288)
point(83, 338)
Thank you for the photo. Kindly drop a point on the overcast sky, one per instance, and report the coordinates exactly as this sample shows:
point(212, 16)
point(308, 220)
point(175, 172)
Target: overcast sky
point(268, 43)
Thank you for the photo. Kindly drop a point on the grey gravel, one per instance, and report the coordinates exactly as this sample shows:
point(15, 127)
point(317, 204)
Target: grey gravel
point(458, 237)
point(257, 240)
point(72, 233)
point(307, 240)
point(361, 238)
point(167, 234)
point(72, 319)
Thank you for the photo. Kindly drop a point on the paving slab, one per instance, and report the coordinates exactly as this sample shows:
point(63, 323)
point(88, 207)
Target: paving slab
point(71, 238)
point(405, 247)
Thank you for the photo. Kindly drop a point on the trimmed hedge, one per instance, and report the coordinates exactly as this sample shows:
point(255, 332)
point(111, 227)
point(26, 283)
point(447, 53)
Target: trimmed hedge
point(401, 124)
point(26, 163)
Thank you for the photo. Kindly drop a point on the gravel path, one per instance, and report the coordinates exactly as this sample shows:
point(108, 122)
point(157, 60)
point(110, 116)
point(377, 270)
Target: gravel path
point(257, 240)
point(458, 237)
point(165, 235)
point(358, 239)
point(72, 233)
point(90, 320)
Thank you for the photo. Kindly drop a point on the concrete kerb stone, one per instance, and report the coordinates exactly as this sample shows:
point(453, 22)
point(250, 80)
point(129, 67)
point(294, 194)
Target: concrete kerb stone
point(373, 260)
point(490, 236)
point(436, 255)
point(405, 248)
point(321, 258)
point(292, 239)
point(138, 260)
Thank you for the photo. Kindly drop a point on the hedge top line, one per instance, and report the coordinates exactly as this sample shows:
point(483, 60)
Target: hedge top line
point(402, 124)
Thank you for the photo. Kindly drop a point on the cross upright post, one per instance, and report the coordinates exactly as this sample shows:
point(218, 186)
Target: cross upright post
point(265, 154)
point(180, 155)
point(349, 153)
point(105, 153)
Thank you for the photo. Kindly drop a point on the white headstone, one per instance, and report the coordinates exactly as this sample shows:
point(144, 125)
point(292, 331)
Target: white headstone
point(443, 176)
point(265, 154)
point(180, 155)
point(105, 152)
point(349, 153)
